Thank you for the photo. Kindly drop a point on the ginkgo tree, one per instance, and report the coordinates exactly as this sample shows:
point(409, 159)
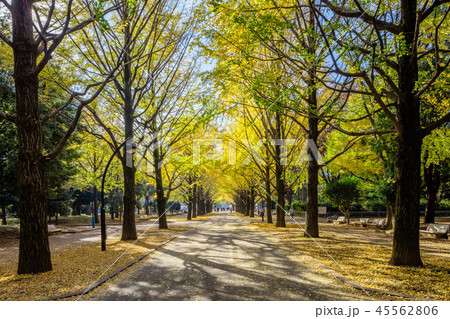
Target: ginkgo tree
point(35, 31)
point(387, 43)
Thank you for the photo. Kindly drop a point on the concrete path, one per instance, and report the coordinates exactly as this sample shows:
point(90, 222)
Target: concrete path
point(83, 235)
point(224, 259)
point(67, 240)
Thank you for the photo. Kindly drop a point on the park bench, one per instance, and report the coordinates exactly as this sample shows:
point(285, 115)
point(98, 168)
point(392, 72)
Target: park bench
point(332, 218)
point(52, 230)
point(363, 222)
point(340, 220)
point(379, 223)
point(436, 230)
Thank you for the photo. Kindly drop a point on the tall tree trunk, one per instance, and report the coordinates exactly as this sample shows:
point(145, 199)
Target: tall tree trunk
point(147, 204)
point(289, 195)
point(252, 201)
point(247, 203)
point(3, 212)
point(389, 217)
point(281, 221)
point(194, 201)
point(160, 197)
point(312, 213)
point(280, 198)
point(268, 197)
point(405, 249)
point(34, 251)
point(95, 204)
point(432, 179)
point(129, 203)
point(129, 171)
point(95, 192)
point(113, 205)
point(201, 202)
point(189, 213)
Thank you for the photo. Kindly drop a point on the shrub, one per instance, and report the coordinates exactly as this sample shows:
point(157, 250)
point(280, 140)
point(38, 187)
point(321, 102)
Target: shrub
point(342, 193)
point(444, 204)
point(298, 206)
point(374, 205)
point(386, 192)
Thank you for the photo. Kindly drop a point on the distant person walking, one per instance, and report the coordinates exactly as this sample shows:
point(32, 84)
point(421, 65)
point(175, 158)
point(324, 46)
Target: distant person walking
point(262, 215)
point(292, 213)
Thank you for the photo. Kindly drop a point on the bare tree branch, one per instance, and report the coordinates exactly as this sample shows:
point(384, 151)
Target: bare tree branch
point(425, 12)
point(5, 39)
point(363, 15)
point(56, 40)
point(6, 4)
point(443, 120)
point(80, 108)
point(348, 146)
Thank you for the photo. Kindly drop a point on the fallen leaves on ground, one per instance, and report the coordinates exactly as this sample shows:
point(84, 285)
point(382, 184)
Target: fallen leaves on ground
point(363, 254)
point(77, 267)
point(203, 217)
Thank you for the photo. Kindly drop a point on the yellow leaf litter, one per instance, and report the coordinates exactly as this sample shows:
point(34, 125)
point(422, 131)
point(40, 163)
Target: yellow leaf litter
point(362, 255)
point(77, 267)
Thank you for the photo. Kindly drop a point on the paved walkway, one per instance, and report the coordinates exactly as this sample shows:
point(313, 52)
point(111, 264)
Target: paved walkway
point(75, 236)
point(224, 259)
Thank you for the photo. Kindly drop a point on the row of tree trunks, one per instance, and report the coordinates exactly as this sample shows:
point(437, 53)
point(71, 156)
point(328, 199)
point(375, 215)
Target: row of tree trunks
point(200, 201)
point(243, 202)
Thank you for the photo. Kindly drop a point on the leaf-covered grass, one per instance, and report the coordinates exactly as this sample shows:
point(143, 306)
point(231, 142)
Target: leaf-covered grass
point(77, 267)
point(363, 255)
point(68, 220)
point(12, 221)
point(87, 219)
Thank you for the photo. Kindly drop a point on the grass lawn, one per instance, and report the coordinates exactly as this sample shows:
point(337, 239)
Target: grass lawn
point(363, 254)
point(69, 220)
